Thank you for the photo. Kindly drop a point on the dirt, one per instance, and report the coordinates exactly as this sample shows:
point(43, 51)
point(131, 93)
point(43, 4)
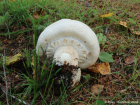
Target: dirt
point(63, 77)
point(115, 85)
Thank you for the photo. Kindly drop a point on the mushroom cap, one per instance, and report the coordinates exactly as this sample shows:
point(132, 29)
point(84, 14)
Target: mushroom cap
point(67, 32)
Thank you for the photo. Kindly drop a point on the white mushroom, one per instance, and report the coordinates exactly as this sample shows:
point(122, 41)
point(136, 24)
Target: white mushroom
point(69, 41)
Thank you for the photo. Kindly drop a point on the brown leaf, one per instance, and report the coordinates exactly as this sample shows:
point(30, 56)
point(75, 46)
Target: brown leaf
point(39, 13)
point(129, 60)
point(28, 20)
point(137, 32)
point(96, 89)
point(33, 67)
point(130, 30)
point(93, 68)
point(103, 68)
point(36, 16)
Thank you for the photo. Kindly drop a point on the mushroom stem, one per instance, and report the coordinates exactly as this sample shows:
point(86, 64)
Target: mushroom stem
point(77, 76)
point(66, 54)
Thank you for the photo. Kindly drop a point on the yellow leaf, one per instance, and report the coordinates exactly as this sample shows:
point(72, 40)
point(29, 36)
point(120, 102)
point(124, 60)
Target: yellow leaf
point(106, 15)
point(123, 24)
point(13, 59)
point(103, 68)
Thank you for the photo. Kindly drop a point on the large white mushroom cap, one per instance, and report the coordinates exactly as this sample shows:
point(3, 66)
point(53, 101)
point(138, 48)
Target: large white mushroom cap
point(67, 32)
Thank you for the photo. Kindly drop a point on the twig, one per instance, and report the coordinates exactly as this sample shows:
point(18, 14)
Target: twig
point(5, 78)
point(25, 103)
point(124, 90)
point(106, 30)
point(6, 93)
point(135, 92)
point(125, 55)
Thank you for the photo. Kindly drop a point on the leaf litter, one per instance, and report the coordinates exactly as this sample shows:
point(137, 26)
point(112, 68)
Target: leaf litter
point(109, 81)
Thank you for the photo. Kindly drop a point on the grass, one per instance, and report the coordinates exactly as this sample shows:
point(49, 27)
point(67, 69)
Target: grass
point(19, 31)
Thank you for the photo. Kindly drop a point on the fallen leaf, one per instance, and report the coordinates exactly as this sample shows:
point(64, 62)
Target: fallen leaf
point(123, 24)
point(103, 68)
point(100, 6)
point(131, 30)
point(36, 16)
point(32, 62)
point(34, 72)
point(137, 32)
point(106, 15)
point(39, 13)
point(93, 68)
point(13, 59)
point(129, 60)
point(96, 89)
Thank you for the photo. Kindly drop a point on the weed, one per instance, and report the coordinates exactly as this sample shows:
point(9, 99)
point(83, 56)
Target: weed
point(16, 19)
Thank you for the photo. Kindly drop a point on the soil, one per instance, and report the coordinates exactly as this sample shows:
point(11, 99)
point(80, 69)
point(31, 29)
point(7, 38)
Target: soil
point(115, 86)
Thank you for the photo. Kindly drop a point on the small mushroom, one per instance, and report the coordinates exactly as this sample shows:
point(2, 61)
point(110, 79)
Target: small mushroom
point(69, 41)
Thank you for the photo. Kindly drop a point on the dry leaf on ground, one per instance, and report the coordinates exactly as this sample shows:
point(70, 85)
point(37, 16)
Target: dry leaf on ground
point(39, 13)
point(13, 59)
point(129, 60)
point(96, 89)
point(107, 15)
point(137, 32)
point(123, 24)
point(131, 30)
point(103, 68)
point(33, 67)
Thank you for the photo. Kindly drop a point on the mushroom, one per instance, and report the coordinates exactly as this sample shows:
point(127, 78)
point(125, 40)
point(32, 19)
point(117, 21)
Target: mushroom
point(71, 42)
